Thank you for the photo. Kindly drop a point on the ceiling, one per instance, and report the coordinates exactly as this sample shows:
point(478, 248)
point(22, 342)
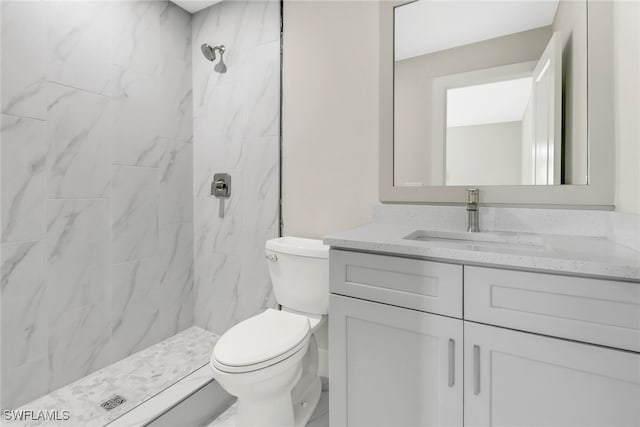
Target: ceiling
point(427, 26)
point(194, 6)
point(499, 102)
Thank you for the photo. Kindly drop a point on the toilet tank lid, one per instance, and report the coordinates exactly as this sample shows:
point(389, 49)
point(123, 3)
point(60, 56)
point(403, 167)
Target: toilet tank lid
point(299, 246)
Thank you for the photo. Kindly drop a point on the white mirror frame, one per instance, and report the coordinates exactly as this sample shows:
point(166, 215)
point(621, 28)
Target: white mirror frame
point(598, 194)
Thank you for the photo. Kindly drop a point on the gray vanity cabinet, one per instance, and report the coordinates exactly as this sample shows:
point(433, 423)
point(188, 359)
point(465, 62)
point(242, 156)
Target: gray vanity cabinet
point(538, 349)
point(520, 379)
point(393, 366)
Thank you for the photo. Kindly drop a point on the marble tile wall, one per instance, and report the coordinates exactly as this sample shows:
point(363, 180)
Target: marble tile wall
point(236, 130)
point(96, 177)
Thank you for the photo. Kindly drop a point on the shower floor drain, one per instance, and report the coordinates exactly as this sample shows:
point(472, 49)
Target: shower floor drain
point(112, 403)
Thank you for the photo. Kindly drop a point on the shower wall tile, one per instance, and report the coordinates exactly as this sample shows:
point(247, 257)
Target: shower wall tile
point(25, 329)
point(176, 183)
point(221, 114)
point(220, 152)
point(176, 316)
point(177, 76)
point(262, 23)
point(78, 253)
point(23, 70)
point(139, 112)
point(213, 233)
point(136, 44)
point(261, 93)
point(97, 186)
point(149, 36)
point(176, 278)
point(154, 44)
point(23, 153)
point(148, 109)
point(217, 290)
point(79, 136)
point(78, 344)
point(261, 170)
point(134, 213)
point(176, 259)
point(204, 209)
point(24, 383)
point(23, 269)
point(24, 309)
point(255, 290)
point(236, 130)
point(135, 308)
point(232, 288)
point(220, 24)
point(79, 44)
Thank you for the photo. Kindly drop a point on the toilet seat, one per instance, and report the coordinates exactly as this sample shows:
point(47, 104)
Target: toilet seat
point(261, 341)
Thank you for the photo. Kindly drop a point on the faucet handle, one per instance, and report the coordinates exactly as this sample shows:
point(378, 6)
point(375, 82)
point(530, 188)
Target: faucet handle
point(473, 195)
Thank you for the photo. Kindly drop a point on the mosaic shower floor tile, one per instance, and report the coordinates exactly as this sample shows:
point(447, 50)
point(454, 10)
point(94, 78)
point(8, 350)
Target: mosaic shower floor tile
point(134, 379)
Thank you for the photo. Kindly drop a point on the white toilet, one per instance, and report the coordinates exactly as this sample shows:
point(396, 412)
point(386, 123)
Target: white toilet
point(271, 361)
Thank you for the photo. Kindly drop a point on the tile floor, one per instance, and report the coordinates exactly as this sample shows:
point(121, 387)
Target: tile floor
point(136, 378)
point(320, 417)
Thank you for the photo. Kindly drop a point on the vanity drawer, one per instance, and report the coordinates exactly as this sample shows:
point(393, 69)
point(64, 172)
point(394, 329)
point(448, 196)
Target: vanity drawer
point(605, 312)
point(428, 286)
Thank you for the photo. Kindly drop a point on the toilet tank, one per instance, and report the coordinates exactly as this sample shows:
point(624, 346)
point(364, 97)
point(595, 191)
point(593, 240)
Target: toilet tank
point(299, 270)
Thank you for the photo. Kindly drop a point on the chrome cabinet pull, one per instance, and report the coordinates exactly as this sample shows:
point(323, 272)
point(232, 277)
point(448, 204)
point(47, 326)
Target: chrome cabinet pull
point(452, 362)
point(476, 370)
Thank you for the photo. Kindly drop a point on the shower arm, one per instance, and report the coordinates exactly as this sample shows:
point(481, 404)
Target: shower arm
point(220, 50)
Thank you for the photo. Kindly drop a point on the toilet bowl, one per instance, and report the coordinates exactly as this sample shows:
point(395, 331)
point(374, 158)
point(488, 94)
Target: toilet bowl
point(270, 361)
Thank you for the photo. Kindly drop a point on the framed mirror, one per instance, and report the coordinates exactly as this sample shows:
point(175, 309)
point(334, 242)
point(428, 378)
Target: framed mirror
point(498, 95)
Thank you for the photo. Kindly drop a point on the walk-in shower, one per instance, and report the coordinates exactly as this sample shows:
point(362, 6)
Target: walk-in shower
point(209, 52)
point(106, 168)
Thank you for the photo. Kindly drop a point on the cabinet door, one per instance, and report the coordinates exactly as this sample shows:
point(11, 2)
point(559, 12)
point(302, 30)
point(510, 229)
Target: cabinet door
point(521, 379)
point(392, 366)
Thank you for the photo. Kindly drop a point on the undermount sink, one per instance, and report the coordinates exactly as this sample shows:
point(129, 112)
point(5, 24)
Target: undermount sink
point(479, 240)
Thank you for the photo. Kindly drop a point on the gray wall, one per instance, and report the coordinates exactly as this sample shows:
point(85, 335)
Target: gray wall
point(96, 187)
point(413, 92)
point(236, 130)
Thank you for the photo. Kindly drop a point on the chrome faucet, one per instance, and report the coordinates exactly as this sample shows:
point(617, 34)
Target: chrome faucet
point(473, 198)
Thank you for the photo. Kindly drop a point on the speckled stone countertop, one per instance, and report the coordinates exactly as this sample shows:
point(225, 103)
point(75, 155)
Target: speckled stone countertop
point(588, 256)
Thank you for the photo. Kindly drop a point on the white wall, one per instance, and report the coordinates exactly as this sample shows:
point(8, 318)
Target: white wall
point(486, 154)
point(627, 104)
point(330, 115)
point(330, 131)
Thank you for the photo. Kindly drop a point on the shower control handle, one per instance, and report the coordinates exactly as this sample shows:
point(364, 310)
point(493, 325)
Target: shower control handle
point(221, 185)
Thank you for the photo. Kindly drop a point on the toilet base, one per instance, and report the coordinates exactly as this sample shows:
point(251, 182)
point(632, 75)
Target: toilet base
point(269, 403)
point(303, 409)
point(279, 411)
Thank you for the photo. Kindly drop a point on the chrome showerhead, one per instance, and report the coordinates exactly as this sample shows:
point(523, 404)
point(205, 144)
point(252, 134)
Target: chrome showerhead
point(210, 53)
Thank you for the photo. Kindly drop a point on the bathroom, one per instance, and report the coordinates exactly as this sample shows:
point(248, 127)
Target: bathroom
point(161, 160)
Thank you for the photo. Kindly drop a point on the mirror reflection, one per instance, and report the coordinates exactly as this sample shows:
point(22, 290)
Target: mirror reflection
point(490, 93)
